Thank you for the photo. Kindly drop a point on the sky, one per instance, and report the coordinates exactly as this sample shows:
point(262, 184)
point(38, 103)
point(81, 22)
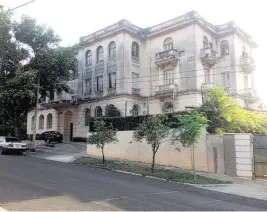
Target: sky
point(72, 19)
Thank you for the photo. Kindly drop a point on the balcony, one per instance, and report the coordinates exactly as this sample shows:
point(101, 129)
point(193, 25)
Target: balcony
point(166, 90)
point(99, 67)
point(61, 101)
point(249, 95)
point(112, 91)
point(247, 64)
point(167, 57)
point(209, 57)
point(136, 91)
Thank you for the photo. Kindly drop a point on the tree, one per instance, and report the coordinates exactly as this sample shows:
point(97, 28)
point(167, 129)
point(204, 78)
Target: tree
point(225, 115)
point(17, 97)
point(191, 126)
point(154, 131)
point(103, 135)
point(29, 52)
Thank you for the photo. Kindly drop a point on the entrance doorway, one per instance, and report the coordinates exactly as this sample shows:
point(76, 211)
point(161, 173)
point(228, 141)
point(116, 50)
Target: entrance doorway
point(68, 127)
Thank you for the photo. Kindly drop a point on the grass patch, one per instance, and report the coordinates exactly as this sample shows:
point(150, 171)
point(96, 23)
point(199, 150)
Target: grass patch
point(170, 175)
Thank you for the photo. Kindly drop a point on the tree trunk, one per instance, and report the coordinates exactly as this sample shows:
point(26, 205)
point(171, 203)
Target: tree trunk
point(153, 162)
point(103, 156)
point(193, 163)
point(17, 131)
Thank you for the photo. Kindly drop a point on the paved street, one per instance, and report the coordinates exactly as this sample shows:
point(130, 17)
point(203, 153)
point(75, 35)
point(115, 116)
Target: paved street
point(29, 183)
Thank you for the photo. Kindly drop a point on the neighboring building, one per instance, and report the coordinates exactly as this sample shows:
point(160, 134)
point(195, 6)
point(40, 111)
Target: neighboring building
point(158, 69)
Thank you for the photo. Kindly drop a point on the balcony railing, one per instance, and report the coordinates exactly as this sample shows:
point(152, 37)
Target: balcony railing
point(112, 91)
point(209, 56)
point(99, 66)
point(136, 91)
point(166, 90)
point(247, 64)
point(167, 57)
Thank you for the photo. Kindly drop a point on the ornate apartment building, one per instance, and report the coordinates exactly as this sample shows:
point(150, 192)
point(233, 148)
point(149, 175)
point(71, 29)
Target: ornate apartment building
point(151, 70)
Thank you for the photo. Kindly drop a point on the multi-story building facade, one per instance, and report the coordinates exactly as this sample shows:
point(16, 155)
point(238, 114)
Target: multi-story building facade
point(164, 68)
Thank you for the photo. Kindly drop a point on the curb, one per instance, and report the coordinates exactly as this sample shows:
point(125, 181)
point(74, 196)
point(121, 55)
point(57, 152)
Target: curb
point(151, 177)
point(125, 172)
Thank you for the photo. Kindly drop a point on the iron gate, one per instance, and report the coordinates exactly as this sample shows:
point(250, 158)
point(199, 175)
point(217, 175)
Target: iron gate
point(260, 155)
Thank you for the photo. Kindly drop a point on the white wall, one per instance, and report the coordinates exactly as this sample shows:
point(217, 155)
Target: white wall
point(183, 39)
point(244, 155)
point(44, 113)
point(141, 152)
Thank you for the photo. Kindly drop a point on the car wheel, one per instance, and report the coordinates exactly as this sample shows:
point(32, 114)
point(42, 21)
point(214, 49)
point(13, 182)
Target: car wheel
point(1, 150)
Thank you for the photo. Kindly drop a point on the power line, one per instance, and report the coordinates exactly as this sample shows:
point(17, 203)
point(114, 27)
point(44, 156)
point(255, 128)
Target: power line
point(19, 6)
point(155, 80)
point(155, 75)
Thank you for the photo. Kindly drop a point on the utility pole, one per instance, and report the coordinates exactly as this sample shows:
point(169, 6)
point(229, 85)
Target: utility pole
point(35, 115)
point(22, 5)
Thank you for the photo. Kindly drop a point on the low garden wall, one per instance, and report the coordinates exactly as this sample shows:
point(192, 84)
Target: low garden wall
point(128, 149)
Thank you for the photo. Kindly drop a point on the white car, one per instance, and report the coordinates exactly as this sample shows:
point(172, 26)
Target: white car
point(12, 144)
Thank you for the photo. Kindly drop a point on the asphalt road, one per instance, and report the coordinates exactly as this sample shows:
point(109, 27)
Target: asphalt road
point(28, 183)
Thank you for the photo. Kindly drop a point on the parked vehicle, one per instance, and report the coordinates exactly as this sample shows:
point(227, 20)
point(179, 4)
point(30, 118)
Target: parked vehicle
point(50, 136)
point(12, 144)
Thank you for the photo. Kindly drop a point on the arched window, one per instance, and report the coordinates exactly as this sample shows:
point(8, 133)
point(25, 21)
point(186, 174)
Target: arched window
point(98, 111)
point(112, 49)
point(41, 122)
point(224, 48)
point(87, 115)
point(135, 110)
point(32, 124)
point(135, 50)
point(49, 121)
point(167, 107)
point(168, 44)
point(99, 54)
point(205, 42)
point(88, 57)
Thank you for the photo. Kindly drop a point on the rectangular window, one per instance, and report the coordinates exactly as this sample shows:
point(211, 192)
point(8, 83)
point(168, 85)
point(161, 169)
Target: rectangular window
point(226, 79)
point(168, 77)
point(112, 80)
point(135, 79)
point(88, 85)
point(99, 83)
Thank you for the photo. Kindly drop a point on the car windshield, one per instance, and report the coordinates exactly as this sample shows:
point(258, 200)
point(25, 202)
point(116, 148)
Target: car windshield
point(12, 140)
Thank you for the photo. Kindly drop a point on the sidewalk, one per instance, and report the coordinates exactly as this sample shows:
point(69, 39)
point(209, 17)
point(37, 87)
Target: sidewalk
point(64, 152)
point(243, 187)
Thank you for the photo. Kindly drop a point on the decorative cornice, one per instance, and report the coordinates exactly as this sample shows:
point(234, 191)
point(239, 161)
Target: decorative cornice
point(181, 21)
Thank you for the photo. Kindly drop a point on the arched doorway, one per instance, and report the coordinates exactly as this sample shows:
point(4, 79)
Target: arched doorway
point(68, 127)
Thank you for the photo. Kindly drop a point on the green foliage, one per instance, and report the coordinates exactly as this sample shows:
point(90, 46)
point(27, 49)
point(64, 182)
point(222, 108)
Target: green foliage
point(39, 38)
point(29, 51)
point(103, 135)
point(192, 126)
point(154, 131)
point(112, 111)
point(225, 115)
